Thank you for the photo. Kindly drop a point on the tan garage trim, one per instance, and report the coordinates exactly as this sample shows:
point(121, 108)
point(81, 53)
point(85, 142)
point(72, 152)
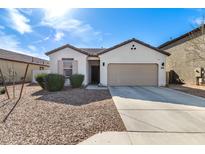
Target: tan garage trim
point(124, 74)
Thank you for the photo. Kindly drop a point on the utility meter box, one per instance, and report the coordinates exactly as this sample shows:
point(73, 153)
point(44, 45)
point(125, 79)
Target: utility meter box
point(198, 72)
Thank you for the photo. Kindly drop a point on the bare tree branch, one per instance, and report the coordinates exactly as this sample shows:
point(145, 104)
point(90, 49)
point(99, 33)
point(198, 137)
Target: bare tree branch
point(195, 47)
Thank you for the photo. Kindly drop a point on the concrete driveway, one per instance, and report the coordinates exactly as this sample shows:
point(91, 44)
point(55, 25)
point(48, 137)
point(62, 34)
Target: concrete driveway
point(154, 115)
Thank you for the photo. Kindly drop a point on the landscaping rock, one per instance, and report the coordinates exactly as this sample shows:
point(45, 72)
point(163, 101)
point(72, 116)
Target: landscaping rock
point(66, 117)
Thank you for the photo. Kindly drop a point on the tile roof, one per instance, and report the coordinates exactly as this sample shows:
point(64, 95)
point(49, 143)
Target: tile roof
point(93, 51)
point(98, 51)
point(186, 35)
point(137, 41)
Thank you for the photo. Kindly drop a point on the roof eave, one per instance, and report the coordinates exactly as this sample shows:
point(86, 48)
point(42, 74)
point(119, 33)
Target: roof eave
point(137, 41)
point(66, 46)
point(180, 37)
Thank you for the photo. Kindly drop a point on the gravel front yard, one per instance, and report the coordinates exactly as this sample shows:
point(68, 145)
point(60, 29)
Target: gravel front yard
point(66, 117)
point(190, 89)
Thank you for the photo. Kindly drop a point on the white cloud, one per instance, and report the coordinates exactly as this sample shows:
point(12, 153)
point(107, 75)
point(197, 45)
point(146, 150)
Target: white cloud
point(41, 40)
point(199, 21)
point(61, 20)
point(31, 47)
point(11, 43)
point(18, 21)
point(58, 36)
point(46, 38)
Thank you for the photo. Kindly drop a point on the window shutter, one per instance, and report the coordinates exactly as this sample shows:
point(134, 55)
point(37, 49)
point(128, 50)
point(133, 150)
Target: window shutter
point(60, 67)
point(75, 66)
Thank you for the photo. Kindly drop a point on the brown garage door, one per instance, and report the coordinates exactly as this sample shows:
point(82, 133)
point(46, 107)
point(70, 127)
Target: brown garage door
point(132, 74)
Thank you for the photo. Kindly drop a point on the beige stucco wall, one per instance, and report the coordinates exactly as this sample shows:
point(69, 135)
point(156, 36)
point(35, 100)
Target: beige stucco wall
point(124, 54)
point(180, 62)
point(19, 69)
point(70, 53)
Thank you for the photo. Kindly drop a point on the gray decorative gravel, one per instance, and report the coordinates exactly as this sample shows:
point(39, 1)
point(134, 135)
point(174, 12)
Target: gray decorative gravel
point(66, 117)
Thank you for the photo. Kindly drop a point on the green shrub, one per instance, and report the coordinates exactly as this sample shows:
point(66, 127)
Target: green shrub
point(76, 80)
point(41, 78)
point(54, 82)
point(2, 90)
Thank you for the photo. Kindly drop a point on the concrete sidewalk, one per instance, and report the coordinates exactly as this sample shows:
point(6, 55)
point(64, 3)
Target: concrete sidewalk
point(145, 138)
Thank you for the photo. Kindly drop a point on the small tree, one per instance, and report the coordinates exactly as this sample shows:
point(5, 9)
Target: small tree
point(195, 47)
point(12, 77)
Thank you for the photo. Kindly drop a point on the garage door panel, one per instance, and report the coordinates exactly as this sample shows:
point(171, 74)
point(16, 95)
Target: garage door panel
point(132, 74)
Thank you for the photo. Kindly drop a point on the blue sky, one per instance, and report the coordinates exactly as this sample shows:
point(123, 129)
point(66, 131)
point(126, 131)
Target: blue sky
point(35, 31)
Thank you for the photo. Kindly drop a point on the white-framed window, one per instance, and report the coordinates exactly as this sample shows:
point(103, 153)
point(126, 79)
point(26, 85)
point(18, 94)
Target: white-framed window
point(41, 68)
point(67, 67)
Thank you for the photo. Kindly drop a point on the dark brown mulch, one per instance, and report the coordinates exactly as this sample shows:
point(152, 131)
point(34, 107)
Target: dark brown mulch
point(66, 117)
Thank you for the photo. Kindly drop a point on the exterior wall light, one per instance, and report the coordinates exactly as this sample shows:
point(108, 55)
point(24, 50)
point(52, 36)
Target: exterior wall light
point(162, 65)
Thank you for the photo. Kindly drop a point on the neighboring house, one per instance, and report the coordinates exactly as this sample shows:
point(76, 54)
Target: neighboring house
point(182, 63)
point(9, 60)
point(129, 63)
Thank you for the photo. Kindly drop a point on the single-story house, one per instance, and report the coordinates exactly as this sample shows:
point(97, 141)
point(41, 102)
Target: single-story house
point(10, 60)
point(131, 63)
point(184, 61)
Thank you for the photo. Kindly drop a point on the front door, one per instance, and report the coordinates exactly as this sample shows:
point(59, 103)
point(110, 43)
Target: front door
point(95, 74)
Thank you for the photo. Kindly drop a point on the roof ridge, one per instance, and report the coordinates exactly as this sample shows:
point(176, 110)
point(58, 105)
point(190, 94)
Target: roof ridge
point(180, 37)
point(92, 48)
point(83, 50)
point(67, 45)
point(136, 40)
